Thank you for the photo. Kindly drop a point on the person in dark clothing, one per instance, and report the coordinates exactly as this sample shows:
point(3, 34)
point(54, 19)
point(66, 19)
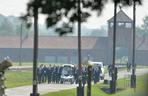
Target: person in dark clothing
point(54, 74)
point(49, 74)
point(76, 75)
point(99, 72)
point(45, 75)
point(39, 73)
point(84, 76)
point(110, 70)
point(96, 75)
point(74, 71)
point(128, 67)
point(57, 74)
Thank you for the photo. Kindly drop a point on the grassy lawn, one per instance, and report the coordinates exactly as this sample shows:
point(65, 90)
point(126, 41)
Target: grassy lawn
point(96, 89)
point(15, 79)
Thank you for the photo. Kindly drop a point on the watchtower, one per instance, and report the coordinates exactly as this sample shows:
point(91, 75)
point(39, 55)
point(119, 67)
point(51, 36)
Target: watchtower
point(123, 36)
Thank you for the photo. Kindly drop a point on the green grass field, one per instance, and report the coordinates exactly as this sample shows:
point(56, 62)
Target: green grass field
point(16, 79)
point(96, 89)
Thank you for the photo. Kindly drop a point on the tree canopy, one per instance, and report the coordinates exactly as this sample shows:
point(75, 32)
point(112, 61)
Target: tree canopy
point(143, 29)
point(65, 12)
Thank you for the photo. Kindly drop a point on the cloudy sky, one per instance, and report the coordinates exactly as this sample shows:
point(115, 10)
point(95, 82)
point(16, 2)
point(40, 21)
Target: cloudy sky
point(17, 7)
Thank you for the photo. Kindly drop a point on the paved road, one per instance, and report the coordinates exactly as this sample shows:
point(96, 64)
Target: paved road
point(22, 68)
point(124, 73)
point(45, 88)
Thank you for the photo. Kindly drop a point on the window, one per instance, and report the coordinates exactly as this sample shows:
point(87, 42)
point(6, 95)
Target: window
point(120, 24)
point(128, 25)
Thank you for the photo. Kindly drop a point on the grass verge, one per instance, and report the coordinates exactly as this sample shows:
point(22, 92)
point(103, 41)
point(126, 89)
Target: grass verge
point(96, 89)
point(18, 78)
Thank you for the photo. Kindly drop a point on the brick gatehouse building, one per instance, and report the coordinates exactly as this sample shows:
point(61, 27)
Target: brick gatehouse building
point(53, 49)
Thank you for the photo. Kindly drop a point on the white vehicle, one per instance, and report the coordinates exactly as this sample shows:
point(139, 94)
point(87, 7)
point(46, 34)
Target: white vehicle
point(100, 64)
point(67, 73)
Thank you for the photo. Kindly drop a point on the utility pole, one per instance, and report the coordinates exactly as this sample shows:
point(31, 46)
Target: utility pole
point(133, 76)
point(80, 89)
point(35, 51)
point(113, 81)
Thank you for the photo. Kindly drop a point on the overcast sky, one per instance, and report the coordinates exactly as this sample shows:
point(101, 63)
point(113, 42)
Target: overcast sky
point(17, 7)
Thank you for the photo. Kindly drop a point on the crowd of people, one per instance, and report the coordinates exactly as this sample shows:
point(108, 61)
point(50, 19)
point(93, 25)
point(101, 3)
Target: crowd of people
point(52, 74)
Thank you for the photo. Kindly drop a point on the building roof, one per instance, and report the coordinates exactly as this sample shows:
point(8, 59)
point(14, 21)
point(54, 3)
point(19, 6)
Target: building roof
point(67, 42)
point(121, 17)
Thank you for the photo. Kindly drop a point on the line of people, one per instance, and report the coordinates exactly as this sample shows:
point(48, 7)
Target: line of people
point(52, 74)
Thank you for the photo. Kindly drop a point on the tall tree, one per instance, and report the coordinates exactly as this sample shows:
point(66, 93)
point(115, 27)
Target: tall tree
point(6, 28)
point(143, 29)
point(64, 12)
point(145, 25)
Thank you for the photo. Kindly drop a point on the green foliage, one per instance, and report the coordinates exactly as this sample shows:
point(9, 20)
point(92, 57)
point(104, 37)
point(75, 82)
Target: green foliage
point(5, 65)
point(102, 32)
point(127, 2)
point(145, 25)
point(66, 11)
point(143, 29)
point(139, 31)
point(9, 27)
point(6, 27)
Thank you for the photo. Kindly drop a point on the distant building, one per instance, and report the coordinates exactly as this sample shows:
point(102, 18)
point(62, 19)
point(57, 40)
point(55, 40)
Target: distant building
point(123, 34)
point(54, 49)
point(64, 49)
